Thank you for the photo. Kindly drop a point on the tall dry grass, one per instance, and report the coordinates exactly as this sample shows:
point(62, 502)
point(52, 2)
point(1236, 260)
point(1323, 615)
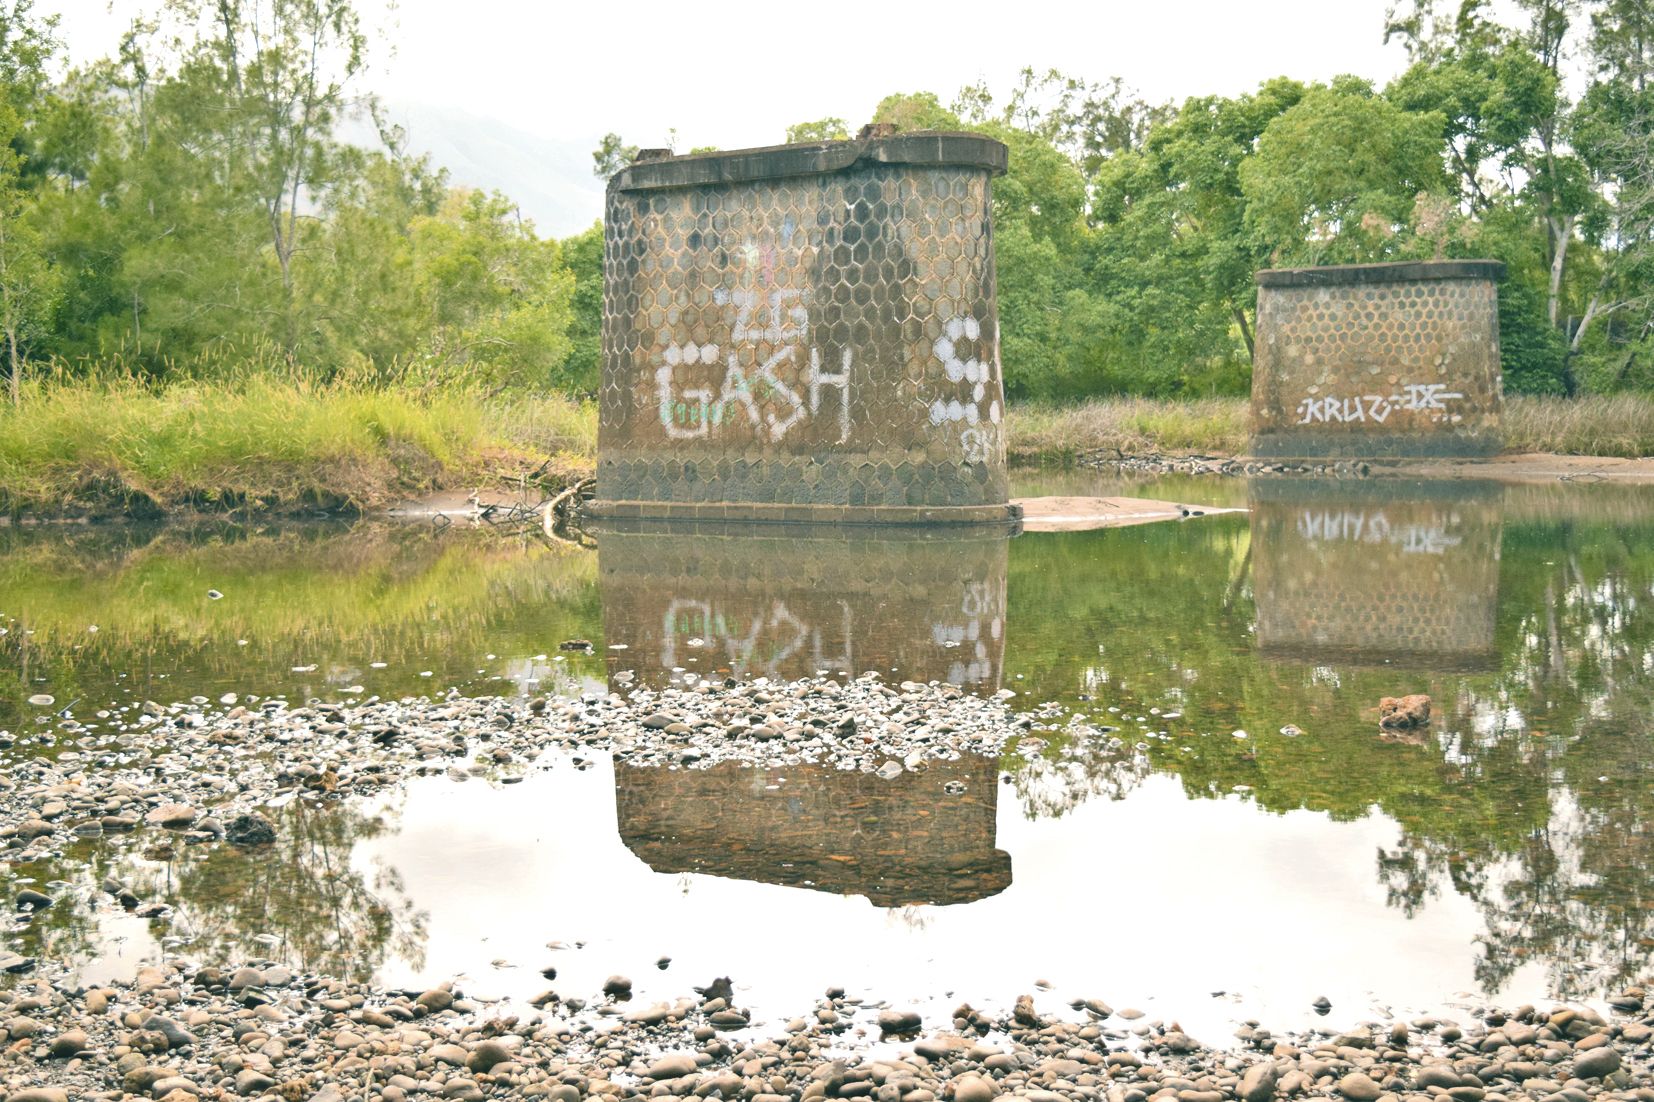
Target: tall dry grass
point(259, 440)
point(1617, 425)
point(1128, 426)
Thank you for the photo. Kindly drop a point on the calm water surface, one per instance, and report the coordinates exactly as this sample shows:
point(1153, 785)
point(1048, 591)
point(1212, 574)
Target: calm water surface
point(1214, 830)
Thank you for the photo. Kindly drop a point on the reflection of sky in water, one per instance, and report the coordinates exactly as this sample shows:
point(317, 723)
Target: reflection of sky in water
point(1155, 902)
point(1505, 850)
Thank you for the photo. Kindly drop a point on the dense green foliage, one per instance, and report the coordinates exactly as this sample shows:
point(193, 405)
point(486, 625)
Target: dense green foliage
point(1128, 233)
point(190, 205)
point(1143, 283)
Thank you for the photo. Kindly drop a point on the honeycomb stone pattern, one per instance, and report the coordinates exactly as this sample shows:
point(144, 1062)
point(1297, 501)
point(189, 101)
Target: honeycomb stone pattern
point(1402, 576)
point(719, 599)
point(899, 842)
point(1380, 360)
point(804, 333)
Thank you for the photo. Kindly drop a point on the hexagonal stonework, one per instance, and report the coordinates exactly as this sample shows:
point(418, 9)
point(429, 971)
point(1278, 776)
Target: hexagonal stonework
point(804, 333)
point(1378, 361)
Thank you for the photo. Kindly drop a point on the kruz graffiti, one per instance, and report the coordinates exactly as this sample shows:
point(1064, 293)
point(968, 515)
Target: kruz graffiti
point(1429, 398)
point(1327, 526)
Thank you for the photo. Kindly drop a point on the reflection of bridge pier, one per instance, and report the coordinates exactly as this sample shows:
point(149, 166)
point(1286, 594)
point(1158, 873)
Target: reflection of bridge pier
point(789, 603)
point(1377, 572)
point(925, 837)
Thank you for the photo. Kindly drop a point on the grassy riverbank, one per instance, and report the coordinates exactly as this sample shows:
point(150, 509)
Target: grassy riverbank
point(119, 448)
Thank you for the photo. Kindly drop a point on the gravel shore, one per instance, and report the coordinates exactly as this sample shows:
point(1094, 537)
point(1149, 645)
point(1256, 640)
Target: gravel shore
point(195, 769)
point(183, 1033)
point(189, 1031)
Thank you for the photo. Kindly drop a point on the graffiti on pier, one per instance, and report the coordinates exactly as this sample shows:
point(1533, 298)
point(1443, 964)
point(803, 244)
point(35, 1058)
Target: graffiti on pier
point(775, 641)
point(979, 409)
point(772, 641)
point(1320, 526)
point(779, 320)
point(1429, 398)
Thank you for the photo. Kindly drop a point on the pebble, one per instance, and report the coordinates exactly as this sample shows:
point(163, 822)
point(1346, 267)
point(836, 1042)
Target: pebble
point(1596, 1063)
point(68, 1044)
point(364, 746)
point(899, 1021)
point(171, 815)
point(674, 1066)
point(1358, 1087)
point(250, 829)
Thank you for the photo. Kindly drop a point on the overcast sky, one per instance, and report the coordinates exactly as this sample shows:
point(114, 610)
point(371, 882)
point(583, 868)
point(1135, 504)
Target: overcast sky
point(735, 75)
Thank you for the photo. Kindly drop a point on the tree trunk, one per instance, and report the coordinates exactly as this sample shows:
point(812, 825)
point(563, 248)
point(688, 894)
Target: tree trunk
point(1562, 230)
point(1246, 333)
point(1591, 311)
point(16, 372)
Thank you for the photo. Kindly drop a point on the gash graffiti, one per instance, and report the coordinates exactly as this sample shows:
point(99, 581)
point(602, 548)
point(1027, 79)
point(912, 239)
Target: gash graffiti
point(760, 397)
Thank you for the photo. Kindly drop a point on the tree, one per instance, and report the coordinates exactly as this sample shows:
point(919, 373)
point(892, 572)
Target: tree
point(278, 71)
point(1335, 177)
point(1087, 121)
point(495, 298)
point(1172, 218)
point(1613, 132)
point(584, 255)
point(612, 155)
point(27, 282)
point(819, 130)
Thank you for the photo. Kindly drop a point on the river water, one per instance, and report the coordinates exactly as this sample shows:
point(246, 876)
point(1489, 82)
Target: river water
point(1215, 828)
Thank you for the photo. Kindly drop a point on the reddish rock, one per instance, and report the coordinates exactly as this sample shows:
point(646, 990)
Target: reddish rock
point(1404, 711)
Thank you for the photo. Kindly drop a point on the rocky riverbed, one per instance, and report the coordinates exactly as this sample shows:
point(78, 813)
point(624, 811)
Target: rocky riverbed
point(182, 1032)
point(204, 772)
point(188, 1030)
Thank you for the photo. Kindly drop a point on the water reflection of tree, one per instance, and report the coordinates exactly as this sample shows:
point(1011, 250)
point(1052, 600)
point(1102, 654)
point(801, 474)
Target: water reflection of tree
point(321, 597)
point(317, 907)
point(1504, 804)
point(1575, 892)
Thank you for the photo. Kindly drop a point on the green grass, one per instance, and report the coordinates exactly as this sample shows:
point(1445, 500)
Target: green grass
point(117, 446)
point(271, 444)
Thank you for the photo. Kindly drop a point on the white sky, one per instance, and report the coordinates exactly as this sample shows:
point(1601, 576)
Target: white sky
point(733, 76)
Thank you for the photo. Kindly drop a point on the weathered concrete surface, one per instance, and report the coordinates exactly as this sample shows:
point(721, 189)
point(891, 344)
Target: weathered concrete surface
point(804, 333)
point(1378, 360)
point(716, 600)
point(1372, 573)
point(1082, 514)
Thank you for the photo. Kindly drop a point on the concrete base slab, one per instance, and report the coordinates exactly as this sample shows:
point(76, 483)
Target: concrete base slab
point(1081, 514)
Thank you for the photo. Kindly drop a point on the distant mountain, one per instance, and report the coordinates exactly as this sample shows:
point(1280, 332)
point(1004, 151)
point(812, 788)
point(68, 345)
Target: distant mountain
point(550, 179)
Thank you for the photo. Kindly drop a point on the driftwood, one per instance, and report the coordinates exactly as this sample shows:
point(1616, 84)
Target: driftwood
point(564, 503)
